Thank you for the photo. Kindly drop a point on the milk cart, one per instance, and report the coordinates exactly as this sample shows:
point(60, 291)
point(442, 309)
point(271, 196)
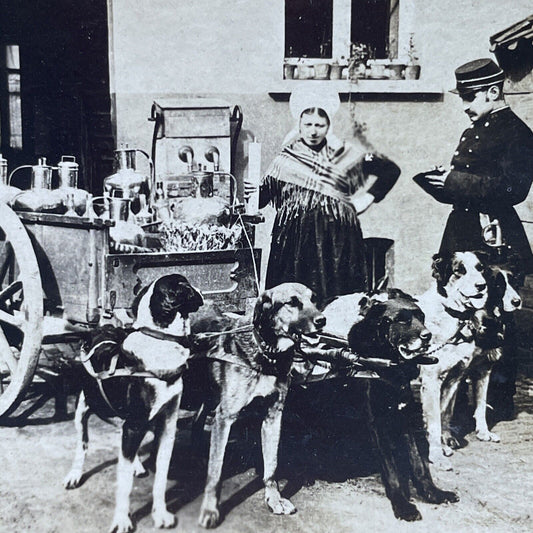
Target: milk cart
point(59, 279)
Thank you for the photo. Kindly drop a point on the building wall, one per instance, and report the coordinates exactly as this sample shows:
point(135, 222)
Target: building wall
point(234, 51)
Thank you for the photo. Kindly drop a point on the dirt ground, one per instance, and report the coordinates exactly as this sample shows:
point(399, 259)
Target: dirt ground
point(333, 481)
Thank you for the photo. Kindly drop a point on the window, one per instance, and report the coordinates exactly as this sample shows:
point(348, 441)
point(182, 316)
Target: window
point(325, 28)
point(12, 124)
point(308, 28)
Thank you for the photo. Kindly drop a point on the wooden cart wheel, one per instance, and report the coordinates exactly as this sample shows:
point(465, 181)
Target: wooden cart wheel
point(21, 310)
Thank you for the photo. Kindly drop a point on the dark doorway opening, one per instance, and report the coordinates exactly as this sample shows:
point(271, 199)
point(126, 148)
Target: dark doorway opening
point(64, 92)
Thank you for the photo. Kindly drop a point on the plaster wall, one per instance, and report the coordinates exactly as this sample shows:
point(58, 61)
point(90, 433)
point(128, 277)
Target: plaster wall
point(234, 50)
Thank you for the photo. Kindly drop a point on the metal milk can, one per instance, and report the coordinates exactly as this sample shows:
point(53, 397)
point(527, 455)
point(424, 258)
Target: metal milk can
point(68, 171)
point(127, 181)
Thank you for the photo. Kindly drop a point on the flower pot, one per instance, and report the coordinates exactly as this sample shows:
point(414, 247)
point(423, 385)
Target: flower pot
point(396, 71)
point(412, 72)
point(288, 71)
point(377, 71)
point(305, 72)
point(336, 72)
point(322, 71)
point(357, 71)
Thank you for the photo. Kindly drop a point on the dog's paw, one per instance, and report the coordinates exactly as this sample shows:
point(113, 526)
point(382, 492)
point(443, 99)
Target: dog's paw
point(449, 443)
point(440, 496)
point(487, 436)
point(121, 524)
point(209, 518)
point(280, 505)
point(406, 511)
point(72, 479)
point(138, 468)
point(440, 461)
point(163, 519)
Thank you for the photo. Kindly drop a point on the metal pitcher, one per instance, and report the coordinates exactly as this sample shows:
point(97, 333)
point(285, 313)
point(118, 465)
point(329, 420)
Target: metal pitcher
point(41, 174)
point(119, 208)
point(68, 171)
point(127, 180)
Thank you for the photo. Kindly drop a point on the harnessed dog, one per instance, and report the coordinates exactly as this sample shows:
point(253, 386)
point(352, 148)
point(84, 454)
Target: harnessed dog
point(467, 328)
point(136, 375)
point(247, 363)
point(389, 326)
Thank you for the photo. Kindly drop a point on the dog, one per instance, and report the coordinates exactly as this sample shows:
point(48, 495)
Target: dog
point(390, 326)
point(137, 376)
point(463, 311)
point(505, 277)
point(250, 364)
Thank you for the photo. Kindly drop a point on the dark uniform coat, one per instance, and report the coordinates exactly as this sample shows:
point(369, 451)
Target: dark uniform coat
point(491, 171)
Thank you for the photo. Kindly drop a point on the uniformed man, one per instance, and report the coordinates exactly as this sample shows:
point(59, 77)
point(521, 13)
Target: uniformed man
point(491, 170)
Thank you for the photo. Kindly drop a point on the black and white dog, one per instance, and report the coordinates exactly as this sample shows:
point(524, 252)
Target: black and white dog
point(137, 376)
point(463, 310)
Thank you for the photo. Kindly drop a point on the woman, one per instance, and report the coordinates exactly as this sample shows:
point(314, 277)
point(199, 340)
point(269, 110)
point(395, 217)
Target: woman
point(319, 190)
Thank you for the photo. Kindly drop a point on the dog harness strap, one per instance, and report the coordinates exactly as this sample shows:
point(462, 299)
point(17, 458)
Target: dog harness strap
point(183, 340)
point(209, 334)
point(232, 359)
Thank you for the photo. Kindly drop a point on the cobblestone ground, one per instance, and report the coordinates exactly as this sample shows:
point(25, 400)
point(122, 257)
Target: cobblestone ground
point(494, 480)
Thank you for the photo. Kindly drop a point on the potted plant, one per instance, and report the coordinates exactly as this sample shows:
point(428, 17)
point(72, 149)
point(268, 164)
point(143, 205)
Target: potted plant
point(305, 69)
point(323, 67)
point(360, 53)
point(288, 70)
point(412, 69)
point(335, 72)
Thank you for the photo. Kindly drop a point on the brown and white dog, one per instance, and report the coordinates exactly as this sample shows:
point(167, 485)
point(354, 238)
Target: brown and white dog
point(250, 364)
point(462, 311)
point(155, 354)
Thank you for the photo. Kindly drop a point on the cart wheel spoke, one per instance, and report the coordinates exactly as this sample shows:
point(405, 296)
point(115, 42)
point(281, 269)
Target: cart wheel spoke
point(21, 310)
point(10, 291)
point(11, 319)
point(8, 362)
point(6, 253)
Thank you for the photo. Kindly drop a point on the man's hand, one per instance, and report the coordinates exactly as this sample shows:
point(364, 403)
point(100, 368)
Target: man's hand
point(437, 180)
point(362, 202)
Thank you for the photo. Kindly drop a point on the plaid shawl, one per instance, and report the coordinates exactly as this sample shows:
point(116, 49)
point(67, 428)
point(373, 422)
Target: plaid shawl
point(300, 179)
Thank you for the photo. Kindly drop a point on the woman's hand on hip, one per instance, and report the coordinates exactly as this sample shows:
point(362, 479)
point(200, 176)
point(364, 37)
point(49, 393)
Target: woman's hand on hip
point(362, 202)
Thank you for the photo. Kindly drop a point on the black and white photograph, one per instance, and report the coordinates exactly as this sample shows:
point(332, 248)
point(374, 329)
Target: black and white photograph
point(266, 266)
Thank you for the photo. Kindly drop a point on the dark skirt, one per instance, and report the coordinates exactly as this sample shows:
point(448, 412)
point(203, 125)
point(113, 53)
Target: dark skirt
point(319, 250)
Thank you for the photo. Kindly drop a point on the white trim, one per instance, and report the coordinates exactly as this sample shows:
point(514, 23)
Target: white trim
point(342, 18)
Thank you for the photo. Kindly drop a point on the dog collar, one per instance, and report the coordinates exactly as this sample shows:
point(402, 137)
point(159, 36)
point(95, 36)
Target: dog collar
point(460, 315)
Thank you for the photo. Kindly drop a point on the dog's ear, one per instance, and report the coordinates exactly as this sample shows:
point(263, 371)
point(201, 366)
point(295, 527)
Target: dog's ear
point(263, 317)
point(366, 335)
point(396, 294)
point(484, 257)
point(192, 298)
point(262, 309)
point(137, 299)
point(441, 270)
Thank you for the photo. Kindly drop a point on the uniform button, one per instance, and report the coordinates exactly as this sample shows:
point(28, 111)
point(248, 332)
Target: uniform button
point(477, 136)
point(470, 150)
point(467, 166)
point(452, 166)
point(463, 138)
point(471, 126)
point(456, 152)
point(486, 124)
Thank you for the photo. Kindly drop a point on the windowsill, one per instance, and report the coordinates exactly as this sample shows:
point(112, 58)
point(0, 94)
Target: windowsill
point(364, 86)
